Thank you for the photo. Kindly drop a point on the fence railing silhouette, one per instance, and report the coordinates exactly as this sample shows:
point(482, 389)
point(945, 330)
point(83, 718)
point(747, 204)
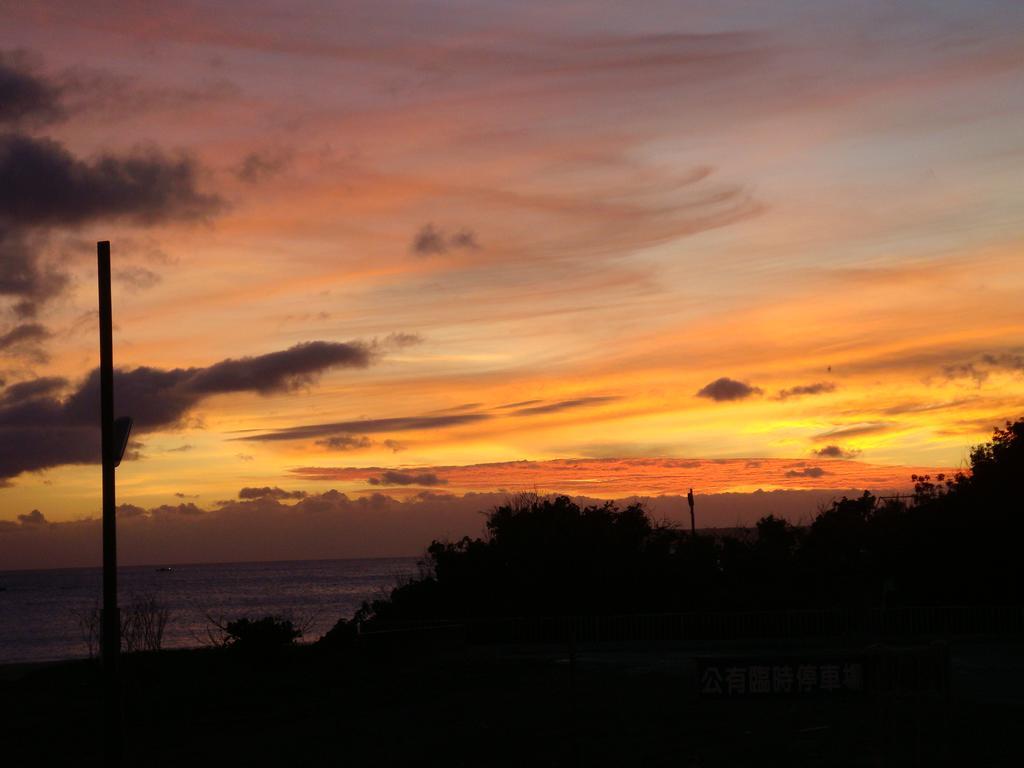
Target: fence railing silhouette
point(700, 629)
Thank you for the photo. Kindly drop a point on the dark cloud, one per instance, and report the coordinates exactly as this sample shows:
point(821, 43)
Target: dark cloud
point(806, 472)
point(23, 276)
point(35, 517)
point(24, 447)
point(181, 495)
point(285, 371)
point(431, 241)
point(835, 452)
point(185, 510)
point(267, 492)
point(724, 389)
point(39, 430)
point(44, 184)
point(392, 477)
point(393, 445)
point(129, 510)
point(346, 442)
point(45, 187)
point(260, 166)
point(25, 340)
point(564, 405)
point(181, 449)
point(26, 97)
point(46, 386)
point(428, 241)
point(819, 388)
point(153, 397)
point(369, 426)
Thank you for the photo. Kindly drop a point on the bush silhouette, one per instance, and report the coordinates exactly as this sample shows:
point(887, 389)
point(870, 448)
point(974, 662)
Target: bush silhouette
point(956, 540)
point(266, 635)
point(341, 635)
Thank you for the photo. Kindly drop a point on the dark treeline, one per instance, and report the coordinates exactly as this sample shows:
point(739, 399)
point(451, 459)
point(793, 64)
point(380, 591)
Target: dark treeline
point(955, 541)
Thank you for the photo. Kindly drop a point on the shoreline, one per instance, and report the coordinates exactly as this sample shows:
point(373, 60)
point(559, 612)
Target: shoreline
point(122, 566)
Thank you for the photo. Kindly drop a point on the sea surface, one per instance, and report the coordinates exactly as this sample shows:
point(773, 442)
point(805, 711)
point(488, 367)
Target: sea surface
point(41, 611)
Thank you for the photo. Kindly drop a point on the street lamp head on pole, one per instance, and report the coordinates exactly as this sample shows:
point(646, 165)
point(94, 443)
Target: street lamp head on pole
point(122, 429)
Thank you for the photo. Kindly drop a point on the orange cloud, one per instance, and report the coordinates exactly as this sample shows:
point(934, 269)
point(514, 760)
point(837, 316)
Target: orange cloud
point(618, 478)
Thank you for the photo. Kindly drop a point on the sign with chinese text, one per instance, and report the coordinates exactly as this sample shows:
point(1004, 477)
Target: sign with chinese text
point(786, 676)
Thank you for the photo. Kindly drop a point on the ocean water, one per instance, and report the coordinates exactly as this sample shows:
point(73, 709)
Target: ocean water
point(40, 610)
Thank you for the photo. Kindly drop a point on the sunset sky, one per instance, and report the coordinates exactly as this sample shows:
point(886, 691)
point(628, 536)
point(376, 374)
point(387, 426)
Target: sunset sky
point(606, 248)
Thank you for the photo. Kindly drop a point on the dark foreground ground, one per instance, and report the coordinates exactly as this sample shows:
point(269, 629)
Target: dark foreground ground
point(501, 707)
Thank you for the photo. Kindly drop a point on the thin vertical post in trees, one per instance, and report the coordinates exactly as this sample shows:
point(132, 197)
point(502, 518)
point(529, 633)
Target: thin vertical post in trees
point(111, 627)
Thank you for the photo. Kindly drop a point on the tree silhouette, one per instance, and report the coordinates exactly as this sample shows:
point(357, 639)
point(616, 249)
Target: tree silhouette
point(956, 540)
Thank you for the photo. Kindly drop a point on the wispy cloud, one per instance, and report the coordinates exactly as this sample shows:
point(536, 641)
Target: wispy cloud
point(25, 340)
point(801, 390)
point(367, 426)
point(564, 405)
point(855, 430)
point(139, 278)
point(520, 404)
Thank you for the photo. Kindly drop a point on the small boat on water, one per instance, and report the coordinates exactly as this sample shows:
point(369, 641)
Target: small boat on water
point(165, 569)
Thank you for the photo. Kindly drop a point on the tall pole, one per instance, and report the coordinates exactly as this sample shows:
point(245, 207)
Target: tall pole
point(111, 623)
